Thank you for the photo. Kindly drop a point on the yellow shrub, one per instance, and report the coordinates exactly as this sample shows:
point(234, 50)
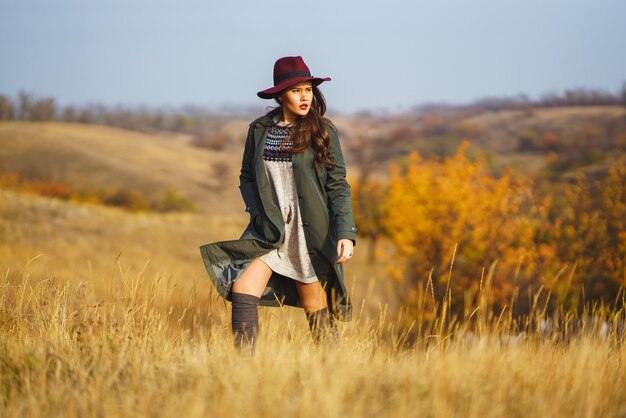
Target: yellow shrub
point(433, 207)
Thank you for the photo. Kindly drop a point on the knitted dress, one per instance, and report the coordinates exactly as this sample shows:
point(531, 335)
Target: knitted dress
point(292, 258)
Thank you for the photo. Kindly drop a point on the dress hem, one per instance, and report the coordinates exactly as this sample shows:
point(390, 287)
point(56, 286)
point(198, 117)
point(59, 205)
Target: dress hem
point(307, 280)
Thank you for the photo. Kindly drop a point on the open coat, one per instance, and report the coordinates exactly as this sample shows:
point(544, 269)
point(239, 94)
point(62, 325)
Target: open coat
point(326, 208)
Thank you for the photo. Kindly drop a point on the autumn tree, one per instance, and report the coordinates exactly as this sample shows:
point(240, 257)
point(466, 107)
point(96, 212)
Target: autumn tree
point(432, 208)
point(590, 232)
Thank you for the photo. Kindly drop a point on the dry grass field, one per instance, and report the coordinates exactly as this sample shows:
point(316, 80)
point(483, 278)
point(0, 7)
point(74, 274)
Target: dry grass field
point(109, 313)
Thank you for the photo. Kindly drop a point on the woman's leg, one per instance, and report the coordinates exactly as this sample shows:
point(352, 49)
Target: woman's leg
point(321, 323)
point(254, 279)
point(245, 296)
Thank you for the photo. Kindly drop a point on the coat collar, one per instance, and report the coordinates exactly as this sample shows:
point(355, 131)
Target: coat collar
point(264, 121)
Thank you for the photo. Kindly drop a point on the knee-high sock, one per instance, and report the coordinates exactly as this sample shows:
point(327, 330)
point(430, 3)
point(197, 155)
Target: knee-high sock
point(245, 319)
point(323, 327)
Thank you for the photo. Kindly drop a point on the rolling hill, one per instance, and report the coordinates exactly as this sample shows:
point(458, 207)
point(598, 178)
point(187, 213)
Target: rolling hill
point(90, 157)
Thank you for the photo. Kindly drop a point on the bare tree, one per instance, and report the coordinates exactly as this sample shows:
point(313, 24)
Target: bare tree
point(43, 109)
point(7, 111)
point(25, 101)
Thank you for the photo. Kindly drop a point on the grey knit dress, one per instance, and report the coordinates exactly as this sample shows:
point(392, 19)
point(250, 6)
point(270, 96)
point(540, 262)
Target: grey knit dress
point(292, 258)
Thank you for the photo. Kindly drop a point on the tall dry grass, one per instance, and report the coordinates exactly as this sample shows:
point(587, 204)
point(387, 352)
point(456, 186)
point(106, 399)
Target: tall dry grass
point(67, 351)
point(105, 313)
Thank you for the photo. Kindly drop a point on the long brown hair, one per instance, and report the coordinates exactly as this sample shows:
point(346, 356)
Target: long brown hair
point(309, 131)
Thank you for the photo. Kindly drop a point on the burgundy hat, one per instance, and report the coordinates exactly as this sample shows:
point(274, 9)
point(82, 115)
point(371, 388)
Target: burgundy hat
point(287, 72)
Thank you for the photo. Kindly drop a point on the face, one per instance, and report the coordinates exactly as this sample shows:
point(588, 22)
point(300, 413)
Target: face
point(296, 101)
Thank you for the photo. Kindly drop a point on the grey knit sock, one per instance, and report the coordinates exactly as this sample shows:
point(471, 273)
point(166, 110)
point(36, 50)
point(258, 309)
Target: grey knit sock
point(245, 320)
point(323, 327)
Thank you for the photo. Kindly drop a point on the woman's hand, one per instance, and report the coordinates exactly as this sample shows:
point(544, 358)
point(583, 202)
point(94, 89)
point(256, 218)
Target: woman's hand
point(344, 250)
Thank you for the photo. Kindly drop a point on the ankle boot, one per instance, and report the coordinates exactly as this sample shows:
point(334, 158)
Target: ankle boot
point(323, 327)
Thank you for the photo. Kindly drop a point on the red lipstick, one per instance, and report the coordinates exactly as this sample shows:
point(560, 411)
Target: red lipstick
point(304, 106)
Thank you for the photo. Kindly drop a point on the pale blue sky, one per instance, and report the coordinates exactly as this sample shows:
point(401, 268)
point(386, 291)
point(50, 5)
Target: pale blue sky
point(381, 54)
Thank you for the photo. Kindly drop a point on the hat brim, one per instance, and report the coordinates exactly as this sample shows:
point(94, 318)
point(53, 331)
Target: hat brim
point(274, 91)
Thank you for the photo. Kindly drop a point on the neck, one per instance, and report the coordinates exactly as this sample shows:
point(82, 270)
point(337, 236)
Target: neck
point(287, 118)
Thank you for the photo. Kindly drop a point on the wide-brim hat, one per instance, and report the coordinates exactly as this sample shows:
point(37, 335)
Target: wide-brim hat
point(289, 71)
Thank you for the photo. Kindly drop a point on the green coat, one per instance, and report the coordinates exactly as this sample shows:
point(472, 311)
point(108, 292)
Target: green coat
point(325, 205)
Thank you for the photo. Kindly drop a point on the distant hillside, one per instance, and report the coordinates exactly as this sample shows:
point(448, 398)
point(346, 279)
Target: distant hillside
point(561, 140)
point(503, 131)
point(91, 157)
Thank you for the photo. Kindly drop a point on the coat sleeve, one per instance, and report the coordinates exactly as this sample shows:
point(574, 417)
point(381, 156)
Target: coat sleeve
point(247, 183)
point(338, 190)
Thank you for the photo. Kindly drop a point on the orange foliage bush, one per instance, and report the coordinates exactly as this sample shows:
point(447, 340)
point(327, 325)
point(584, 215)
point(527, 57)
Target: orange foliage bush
point(133, 200)
point(433, 207)
point(572, 246)
point(48, 188)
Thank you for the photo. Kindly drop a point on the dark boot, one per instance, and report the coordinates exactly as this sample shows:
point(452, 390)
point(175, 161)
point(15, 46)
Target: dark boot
point(323, 327)
point(245, 320)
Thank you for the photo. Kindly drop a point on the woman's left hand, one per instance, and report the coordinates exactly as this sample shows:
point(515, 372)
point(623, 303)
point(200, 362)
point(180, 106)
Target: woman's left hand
point(345, 247)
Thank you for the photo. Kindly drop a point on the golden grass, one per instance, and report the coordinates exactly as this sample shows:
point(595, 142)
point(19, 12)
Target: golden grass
point(66, 351)
point(107, 313)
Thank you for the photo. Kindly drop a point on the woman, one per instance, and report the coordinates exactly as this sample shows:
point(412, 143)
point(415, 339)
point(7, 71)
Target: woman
point(301, 230)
